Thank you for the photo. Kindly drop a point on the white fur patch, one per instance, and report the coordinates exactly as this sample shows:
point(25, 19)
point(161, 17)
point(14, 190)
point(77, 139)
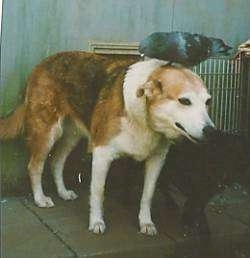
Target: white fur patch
point(136, 76)
point(134, 140)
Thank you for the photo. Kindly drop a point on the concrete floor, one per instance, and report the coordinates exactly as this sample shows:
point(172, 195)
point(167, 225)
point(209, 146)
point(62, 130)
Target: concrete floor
point(32, 232)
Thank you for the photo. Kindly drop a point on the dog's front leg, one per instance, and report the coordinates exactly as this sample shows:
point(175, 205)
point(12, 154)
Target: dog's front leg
point(153, 168)
point(102, 158)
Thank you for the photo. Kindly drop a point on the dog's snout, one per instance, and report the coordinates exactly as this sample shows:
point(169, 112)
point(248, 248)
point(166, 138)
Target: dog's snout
point(208, 130)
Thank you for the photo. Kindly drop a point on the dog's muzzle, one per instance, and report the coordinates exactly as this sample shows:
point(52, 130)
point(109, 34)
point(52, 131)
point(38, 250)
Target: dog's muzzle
point(207, 132)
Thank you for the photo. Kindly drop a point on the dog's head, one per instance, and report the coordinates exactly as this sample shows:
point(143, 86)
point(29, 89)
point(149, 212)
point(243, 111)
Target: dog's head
point(177, 102)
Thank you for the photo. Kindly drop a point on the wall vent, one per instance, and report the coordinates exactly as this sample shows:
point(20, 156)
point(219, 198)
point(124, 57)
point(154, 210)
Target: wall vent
point(114, 48)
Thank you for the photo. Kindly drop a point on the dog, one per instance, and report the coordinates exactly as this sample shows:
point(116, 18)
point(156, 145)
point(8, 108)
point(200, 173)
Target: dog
point(122, 107)
point(200, 171)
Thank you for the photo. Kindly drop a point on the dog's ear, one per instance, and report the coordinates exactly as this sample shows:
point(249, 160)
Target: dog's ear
point(149, 89)
point(140, 92)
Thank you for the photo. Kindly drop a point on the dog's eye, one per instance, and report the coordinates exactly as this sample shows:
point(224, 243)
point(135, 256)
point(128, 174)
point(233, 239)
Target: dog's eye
point(184, 101)
point(208, 102)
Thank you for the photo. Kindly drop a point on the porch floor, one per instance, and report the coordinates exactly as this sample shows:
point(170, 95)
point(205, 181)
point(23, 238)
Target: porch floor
point(62, 231)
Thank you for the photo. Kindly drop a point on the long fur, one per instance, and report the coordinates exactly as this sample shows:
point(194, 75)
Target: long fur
point(12, 126)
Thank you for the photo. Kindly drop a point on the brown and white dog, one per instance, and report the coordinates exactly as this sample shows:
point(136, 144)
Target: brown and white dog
point(121, 107)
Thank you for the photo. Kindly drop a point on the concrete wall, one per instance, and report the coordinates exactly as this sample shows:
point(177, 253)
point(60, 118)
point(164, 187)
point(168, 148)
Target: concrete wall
point(34, 29)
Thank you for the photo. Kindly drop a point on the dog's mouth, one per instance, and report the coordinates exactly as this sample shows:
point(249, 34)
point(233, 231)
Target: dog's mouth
point(185, 133)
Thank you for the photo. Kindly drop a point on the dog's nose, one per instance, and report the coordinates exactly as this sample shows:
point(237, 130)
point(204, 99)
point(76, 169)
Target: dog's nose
point(208, 130)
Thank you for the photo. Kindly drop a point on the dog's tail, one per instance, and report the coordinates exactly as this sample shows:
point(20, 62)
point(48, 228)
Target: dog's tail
point(13, 125)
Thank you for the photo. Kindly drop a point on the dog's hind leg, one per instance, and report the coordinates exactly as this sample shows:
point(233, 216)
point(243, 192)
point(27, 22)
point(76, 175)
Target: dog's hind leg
point(40, 145)
point(71, 136)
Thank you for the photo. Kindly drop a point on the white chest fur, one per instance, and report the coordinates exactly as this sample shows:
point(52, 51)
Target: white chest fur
point(135, 141)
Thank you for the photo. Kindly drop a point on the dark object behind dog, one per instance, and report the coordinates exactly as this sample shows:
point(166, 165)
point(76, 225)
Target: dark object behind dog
point(200, 171)
point(182, 47)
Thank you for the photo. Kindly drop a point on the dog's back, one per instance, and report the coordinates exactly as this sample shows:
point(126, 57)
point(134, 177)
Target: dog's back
point(77, 77)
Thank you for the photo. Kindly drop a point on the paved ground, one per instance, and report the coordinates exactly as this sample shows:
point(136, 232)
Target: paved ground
point(31, 232)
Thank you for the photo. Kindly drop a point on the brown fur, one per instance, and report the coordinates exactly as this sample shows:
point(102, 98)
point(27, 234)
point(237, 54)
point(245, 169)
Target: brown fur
point(12, 126)
point(59, 87)
point(107, 112)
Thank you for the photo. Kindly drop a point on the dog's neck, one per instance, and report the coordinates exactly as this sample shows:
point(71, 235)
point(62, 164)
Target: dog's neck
point(136, 76)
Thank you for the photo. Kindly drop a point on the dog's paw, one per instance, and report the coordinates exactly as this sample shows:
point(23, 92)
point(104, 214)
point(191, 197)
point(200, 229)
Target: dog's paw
point(44, 202)
point(148, 229)
point(97, 227)
point(68, 195)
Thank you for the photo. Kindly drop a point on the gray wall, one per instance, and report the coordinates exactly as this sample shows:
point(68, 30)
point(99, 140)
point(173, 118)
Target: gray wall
point(34, 29)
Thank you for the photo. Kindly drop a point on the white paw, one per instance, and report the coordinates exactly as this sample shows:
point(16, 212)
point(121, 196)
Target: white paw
point(68, 195)
point(44, 202)
point(148, 229)
point(97, 227)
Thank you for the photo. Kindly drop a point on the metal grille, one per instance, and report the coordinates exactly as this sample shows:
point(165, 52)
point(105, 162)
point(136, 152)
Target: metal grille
point(246, 94)
point(226, 81)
